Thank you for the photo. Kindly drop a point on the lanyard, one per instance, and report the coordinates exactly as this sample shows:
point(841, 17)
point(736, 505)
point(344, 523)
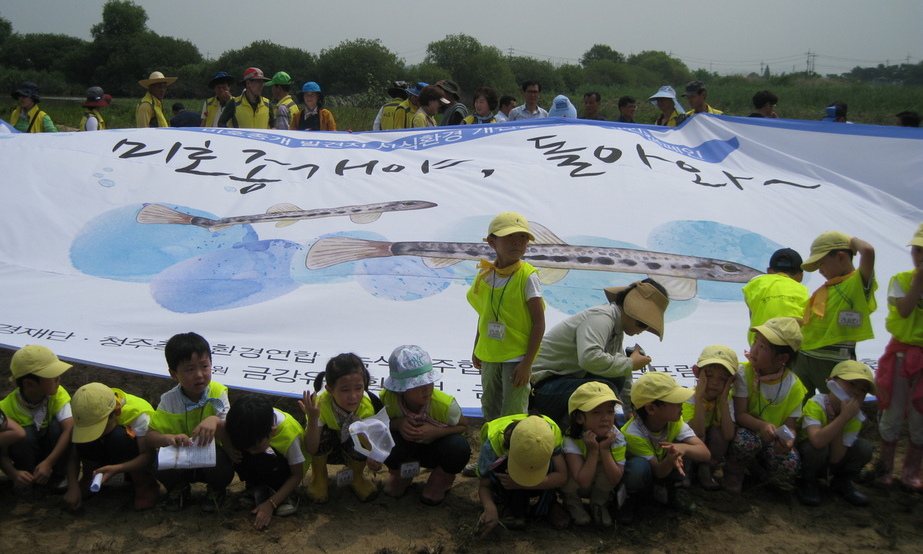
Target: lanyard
point(496, 312)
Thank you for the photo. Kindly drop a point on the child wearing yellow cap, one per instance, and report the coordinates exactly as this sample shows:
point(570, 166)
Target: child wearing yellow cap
point(836, 316)
point(898, 376)
point(110, 430)
point(710, 410)
point(659, 443)
point(828, 440)
point(41, 406)
point(507, 296)
point(520, 459)
point(594, 450)
point(767, 404)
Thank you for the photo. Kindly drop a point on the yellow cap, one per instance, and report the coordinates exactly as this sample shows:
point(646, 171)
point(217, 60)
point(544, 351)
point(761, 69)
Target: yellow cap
point(781, 331)
point(851, 370)
point(644, 302)
point(531, 446)
point(917, 239)
point(589, 395)
point(508, 223)
point(656, 385)
point(91, 405)
point(37, 360)
point(721, 355)
point(823, 245)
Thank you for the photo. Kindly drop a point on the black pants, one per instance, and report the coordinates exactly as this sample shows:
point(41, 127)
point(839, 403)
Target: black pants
point(550, 396)
point(218, 477)
point(113, 448)
point(38, 444)
point(271, 470)
point(815, 460)
point(450, 453)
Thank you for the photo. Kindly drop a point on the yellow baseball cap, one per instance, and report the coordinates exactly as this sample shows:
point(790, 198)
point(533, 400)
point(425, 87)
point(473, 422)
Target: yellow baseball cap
point(852, 370)
point(643, 303)
point(91, 405)
point(721, 355)
point(781, 331)
point(823, 245)
point(531, 446)
point(657, 385)
point(38, 360)
point(917, 239)
point(508, 223)
point(589, 395)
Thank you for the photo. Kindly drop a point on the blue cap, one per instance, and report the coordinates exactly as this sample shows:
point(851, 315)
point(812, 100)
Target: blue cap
point(414, 90)
point(221, 77)
point(310, 86)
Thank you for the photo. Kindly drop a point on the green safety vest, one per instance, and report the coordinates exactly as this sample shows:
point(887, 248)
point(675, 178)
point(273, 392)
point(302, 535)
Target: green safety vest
point(492, 431)
point(248, 117)
point(773, 295)
point(513, 312)
point(776, 413)
point(848, 295)
point(175, 424)
point(288, 432)
point(438, 406)
point(293, 111)
point(908, 330)
point(18, 413)
point(328, 417)
point(132, 407)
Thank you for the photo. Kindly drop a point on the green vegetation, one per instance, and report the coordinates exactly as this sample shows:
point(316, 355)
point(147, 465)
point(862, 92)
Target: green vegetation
point(355, 73)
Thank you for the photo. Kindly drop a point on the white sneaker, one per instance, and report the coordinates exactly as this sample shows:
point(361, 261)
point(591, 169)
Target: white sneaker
point(286, 508)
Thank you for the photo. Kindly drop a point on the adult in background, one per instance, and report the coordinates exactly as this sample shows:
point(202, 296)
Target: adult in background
point(485, 102)
point(404, 112)
point(249, 110)
point(627, 108)
point(183, 117)
point(531, 92)
point(591, 102)
point(284, 110)
point(454, 112)
point(507, 103)
point(697, 94)
point(588, 347)
point(92, 119)
point(671, 111)
point(211, 109)
point(27, 117)
point(314, 116)
point(431, 99)
point(764, 104)
point(398, 93)
point(149, 112)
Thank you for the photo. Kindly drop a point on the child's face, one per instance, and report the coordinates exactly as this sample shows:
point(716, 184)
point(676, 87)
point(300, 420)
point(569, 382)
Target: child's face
point(417, 397)
point(259, 447)
point(716, 377)
point(857, 389)
point(916, 254)
point(348, 391)
point(598, 420)
point(665, 411)
point(835, 264)
point(762, 357)
point(48, 385)
point(481, 106)
point(194, 375)
point(511, 248)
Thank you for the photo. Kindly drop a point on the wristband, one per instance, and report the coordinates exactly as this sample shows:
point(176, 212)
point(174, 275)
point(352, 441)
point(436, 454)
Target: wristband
point(274, 507)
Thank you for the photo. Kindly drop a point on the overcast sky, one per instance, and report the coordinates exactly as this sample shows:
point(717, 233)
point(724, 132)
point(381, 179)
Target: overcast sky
point(727, 36)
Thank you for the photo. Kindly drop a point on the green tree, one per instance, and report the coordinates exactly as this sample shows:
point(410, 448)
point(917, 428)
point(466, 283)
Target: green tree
point(270, 57)
point(600, 52)
point(470, 63)
point(6, 30)
point(530, 69)
point(666, 68)
point(120, 18)
point(355, 66)
point(608, 73)
point(573, 76)
point(40, 51)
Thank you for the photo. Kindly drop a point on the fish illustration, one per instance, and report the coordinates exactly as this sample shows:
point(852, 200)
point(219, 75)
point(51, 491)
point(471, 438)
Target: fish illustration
point(281, 214)
point(551, 256)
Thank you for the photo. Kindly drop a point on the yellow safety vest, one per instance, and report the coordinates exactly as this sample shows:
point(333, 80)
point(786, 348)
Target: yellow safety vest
point(846, 296)
point(287, 432)
point(777, 410)
point(101, 123)
point(183, 423)
point(908, 330)
point(157, 119)
point(402, 116)
point(387, 114)
point(212, 111)
point(36, 119)
point(132, 406)
point(509, 302)
point(248, 117)
point(293, 111)
point(773, 295)
point(492, 431)
point(18, 413)
point(328, 417)
point(439, 405)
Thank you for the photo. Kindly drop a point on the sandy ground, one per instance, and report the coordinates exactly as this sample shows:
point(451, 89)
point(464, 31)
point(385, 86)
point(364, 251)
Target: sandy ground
point(759, 520)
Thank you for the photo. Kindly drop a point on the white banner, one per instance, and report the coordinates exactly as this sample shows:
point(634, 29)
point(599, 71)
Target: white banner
point(286, 248)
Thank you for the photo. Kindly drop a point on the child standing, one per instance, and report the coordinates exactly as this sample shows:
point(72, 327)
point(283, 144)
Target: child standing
point(520, 459)
point(900, 386)
point(829, 436)
point(710, 411)
point(511, 319)
point(110, 437)
point(41, 406)
point(270, 460)
point(594, 450)
point(345, 399)
point(426, 424)
point(660, 442)
point(837, 314)
point(192, 412)
point(767, 404)
point(778, 292)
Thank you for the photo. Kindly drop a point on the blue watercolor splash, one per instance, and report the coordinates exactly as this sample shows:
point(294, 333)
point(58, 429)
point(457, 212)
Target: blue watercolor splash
point(115, 246)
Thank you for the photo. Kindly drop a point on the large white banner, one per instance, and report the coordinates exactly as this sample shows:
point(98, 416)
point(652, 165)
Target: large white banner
point(286, 248)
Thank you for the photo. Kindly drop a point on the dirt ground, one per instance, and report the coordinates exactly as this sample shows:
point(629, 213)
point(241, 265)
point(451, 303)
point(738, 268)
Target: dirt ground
point(759, 520)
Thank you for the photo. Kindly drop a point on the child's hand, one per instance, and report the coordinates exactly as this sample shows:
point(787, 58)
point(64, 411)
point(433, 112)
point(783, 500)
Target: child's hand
point(522, 373)
point(851, 408)
point(108, 471)
point(783, 446)
point(372, 464)
point(675, 456)
point(475, 361)
point(263, 514)
point(589, 438)
point(73, 497)
point(768, 433)
point(308, 405)
point(204, 432)
point(24, 477)
point(42, 472)
point(410, 429)
point(178, 440)
point(488, 520)
point(507, 482)
point(700, 385)
point(606, 442)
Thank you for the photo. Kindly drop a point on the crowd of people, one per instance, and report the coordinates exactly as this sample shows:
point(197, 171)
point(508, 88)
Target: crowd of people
point(412, 105)
point(568, 434)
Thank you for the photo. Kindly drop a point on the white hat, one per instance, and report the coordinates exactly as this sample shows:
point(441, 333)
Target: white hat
point(666, 91)
point(410, 367)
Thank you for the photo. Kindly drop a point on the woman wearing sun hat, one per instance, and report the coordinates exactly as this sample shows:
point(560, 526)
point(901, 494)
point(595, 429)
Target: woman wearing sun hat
point(588, 346)
point(27, 117)
point(92, 118)
point(671, 111)
point(150, 110)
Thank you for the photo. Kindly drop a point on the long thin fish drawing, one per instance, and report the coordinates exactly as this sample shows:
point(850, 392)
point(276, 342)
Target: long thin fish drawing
point(281, 214)
point(549, 254)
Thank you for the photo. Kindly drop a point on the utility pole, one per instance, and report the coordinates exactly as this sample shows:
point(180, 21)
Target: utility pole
point(810, 62)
